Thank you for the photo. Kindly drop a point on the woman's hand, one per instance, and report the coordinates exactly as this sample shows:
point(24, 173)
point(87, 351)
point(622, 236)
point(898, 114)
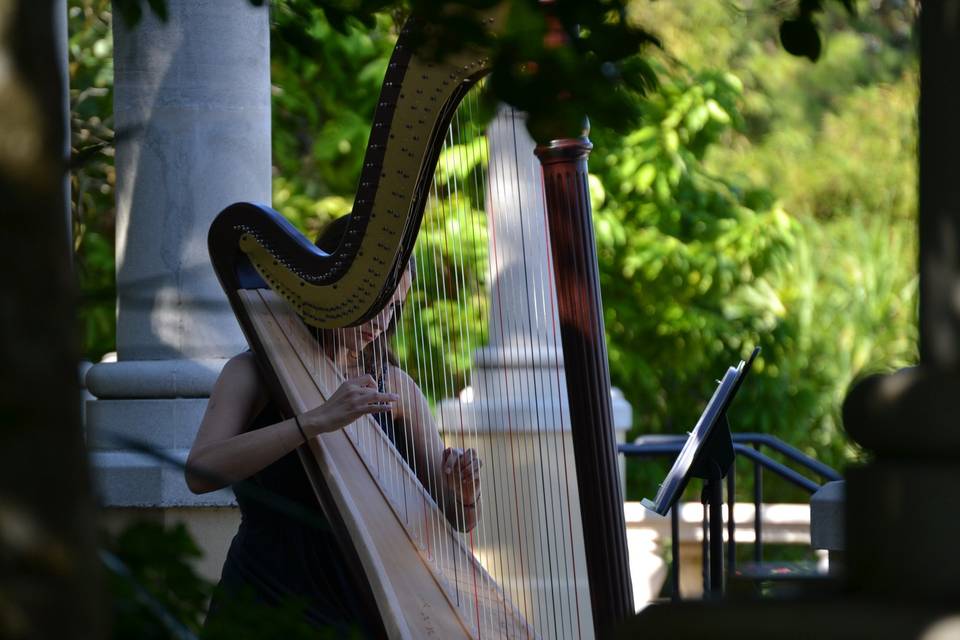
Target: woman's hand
point(461, 469)
point(354, 398)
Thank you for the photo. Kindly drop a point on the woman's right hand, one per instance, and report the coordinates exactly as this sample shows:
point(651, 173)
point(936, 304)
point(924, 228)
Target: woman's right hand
point(354, 398)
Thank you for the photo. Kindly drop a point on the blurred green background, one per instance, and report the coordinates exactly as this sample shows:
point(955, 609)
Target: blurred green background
point(763, 200)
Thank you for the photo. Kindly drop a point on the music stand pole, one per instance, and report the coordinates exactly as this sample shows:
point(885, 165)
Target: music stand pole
point(713, 489)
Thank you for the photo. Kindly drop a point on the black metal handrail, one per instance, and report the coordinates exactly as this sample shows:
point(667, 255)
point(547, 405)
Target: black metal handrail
point(650, 450)
point(778, 445)
point(748, 445)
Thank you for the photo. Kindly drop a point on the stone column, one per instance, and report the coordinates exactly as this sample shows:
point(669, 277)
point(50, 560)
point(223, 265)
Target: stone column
point(902, 525)
point(192, 110)
point(516, 405)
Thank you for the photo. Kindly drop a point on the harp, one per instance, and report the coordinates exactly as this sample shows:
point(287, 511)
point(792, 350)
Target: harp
point(420, 576)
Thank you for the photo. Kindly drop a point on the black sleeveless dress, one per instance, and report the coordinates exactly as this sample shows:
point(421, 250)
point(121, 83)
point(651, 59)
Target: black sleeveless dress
point(285, 555)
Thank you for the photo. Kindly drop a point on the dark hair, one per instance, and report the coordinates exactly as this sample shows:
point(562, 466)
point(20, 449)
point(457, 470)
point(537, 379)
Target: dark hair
point(379, 350)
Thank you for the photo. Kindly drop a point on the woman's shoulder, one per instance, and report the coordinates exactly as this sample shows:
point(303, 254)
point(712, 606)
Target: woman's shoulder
point(241, 374)
point(242, 364)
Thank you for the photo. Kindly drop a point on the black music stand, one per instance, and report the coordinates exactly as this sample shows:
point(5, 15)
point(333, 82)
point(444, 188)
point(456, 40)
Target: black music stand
point(707, 454)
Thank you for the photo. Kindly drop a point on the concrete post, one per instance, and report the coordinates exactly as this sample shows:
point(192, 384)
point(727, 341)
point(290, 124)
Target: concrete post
point(192, 110)
point(516, 404)
point(827, 530)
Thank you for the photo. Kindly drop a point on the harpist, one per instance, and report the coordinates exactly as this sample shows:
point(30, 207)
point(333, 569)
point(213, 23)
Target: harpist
point(242, 436)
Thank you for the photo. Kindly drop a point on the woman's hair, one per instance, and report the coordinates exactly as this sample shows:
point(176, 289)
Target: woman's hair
point(379, 350)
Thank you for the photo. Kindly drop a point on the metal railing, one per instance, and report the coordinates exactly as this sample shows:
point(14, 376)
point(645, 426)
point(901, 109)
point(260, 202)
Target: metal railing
point(749, 446)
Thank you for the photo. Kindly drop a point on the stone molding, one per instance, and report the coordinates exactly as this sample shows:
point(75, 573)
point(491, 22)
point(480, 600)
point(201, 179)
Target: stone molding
point(132, 379)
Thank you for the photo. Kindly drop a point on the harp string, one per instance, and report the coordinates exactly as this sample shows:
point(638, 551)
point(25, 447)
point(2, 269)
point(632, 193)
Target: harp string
point(406, 400)
point(523, 347)
point(520, 339)
point(450, 203)
point(453, 203)
point(491, 516)
point(519, 561)
point(428, 340)
point(516, 571)
point(462, 205)
point(503, 468)
point(444, 333)
point(532, 380)
point(425, 370)
point(442, 339)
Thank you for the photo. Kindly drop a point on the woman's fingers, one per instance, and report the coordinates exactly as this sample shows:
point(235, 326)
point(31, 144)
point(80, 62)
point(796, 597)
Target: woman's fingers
point(450, 458)
point(467, 462)
point(365, 381)
point(471, 473)
point(383, 398)
point(372, 402)
point(470, 461)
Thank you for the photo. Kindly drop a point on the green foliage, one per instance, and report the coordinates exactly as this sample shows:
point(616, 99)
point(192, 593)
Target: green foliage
point(158, 561)
point(92, 176)
point(325, 87)
point(555, 62)
point(694, 269)
point(156, 593)
point(833, 144)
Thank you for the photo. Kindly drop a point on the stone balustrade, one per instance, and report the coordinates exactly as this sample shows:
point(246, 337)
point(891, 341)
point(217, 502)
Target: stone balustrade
point(648, 537)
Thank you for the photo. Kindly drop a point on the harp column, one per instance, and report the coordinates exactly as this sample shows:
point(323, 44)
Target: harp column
point(192, 109)
point(516, 404)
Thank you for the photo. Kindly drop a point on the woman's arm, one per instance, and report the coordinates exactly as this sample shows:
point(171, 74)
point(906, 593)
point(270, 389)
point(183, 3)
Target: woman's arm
point(451, 475)
point(224, 452)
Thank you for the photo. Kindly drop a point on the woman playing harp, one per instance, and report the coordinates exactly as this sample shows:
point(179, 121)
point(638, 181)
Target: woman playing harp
point(243, 437)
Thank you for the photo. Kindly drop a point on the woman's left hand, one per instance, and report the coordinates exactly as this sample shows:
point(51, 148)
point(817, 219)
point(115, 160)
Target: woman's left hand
point(461, 468)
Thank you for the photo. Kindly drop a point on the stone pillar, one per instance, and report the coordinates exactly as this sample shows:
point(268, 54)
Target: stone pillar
point(516, 404)
point(192, 110)
point(910, 488)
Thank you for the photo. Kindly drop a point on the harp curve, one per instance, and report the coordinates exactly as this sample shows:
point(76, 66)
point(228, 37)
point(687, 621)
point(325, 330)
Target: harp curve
point(417, 101)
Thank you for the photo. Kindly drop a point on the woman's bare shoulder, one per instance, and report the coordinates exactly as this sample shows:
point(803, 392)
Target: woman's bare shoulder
point(242, 364)
point(241, 375)
point(237, 396)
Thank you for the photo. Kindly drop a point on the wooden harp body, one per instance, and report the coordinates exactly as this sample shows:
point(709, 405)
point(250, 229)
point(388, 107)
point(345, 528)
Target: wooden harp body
point(420, 577)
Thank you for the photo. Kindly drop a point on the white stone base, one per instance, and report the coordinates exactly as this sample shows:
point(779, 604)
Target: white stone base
point(649, 534)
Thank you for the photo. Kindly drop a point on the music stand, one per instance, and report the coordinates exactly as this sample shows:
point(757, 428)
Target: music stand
point(707, 454)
